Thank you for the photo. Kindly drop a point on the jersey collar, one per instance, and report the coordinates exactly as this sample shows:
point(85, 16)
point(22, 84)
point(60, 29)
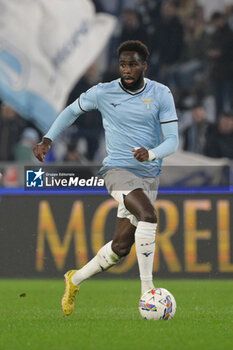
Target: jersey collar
point(136, 92)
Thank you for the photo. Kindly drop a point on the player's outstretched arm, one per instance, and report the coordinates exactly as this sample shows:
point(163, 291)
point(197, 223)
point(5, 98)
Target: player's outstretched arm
point(86, 102)
point(63, 121)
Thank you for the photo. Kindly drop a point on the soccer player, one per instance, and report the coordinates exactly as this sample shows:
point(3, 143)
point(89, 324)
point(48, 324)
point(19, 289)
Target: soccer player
point(140, 124)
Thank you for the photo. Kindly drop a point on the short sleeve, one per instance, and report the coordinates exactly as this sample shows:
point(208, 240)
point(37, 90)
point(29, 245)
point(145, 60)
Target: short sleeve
point(88, 100)
point(167, 110)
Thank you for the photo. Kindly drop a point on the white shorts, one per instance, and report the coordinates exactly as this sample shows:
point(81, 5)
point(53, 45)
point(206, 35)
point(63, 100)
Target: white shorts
point(121, 182)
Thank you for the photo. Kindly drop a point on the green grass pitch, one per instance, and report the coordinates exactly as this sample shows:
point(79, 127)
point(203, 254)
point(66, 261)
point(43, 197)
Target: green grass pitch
point(107, 317)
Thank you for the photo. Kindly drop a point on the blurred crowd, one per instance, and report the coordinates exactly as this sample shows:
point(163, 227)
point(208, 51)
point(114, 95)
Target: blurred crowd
point(191, 51)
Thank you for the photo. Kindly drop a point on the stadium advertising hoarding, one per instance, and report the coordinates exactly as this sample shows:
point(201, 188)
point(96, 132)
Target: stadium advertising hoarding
point(44, 235)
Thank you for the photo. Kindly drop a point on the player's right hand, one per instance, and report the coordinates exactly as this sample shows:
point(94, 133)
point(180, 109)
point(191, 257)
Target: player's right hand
point(42, 148)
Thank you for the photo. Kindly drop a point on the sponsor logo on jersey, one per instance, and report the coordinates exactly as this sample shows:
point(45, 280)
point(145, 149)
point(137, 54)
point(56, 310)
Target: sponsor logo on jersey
point(115, 104)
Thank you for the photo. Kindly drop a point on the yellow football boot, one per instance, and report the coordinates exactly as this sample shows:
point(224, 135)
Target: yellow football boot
point(71, 290)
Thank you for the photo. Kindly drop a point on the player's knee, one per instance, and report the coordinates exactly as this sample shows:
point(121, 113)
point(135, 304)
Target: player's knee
point(121, 249)
point(148, 216)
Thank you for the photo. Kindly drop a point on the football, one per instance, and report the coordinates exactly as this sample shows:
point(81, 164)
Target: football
point(157, 304)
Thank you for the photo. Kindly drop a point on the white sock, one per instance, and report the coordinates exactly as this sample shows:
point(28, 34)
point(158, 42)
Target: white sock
point(145, 248)
point(104, 259)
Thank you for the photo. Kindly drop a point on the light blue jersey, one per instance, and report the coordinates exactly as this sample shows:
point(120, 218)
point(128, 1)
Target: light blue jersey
point(130, 120)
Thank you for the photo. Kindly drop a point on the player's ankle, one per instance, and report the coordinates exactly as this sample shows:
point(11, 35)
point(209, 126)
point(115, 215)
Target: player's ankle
point(145, 285)
point(75, 279)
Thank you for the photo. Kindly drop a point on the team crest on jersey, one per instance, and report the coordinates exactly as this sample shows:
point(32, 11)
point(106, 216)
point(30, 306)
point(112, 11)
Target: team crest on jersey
point(147, 101)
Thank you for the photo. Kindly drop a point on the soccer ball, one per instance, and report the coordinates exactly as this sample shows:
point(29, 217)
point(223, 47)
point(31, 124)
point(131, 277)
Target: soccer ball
point(157, 304)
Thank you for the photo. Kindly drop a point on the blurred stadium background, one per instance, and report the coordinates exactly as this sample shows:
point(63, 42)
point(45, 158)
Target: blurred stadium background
point(62, 50)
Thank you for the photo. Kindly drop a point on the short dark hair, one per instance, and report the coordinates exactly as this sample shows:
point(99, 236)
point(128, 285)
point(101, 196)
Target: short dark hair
point(134, 45)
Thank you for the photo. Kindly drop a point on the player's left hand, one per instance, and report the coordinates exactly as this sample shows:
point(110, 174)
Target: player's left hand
point(141, 154)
